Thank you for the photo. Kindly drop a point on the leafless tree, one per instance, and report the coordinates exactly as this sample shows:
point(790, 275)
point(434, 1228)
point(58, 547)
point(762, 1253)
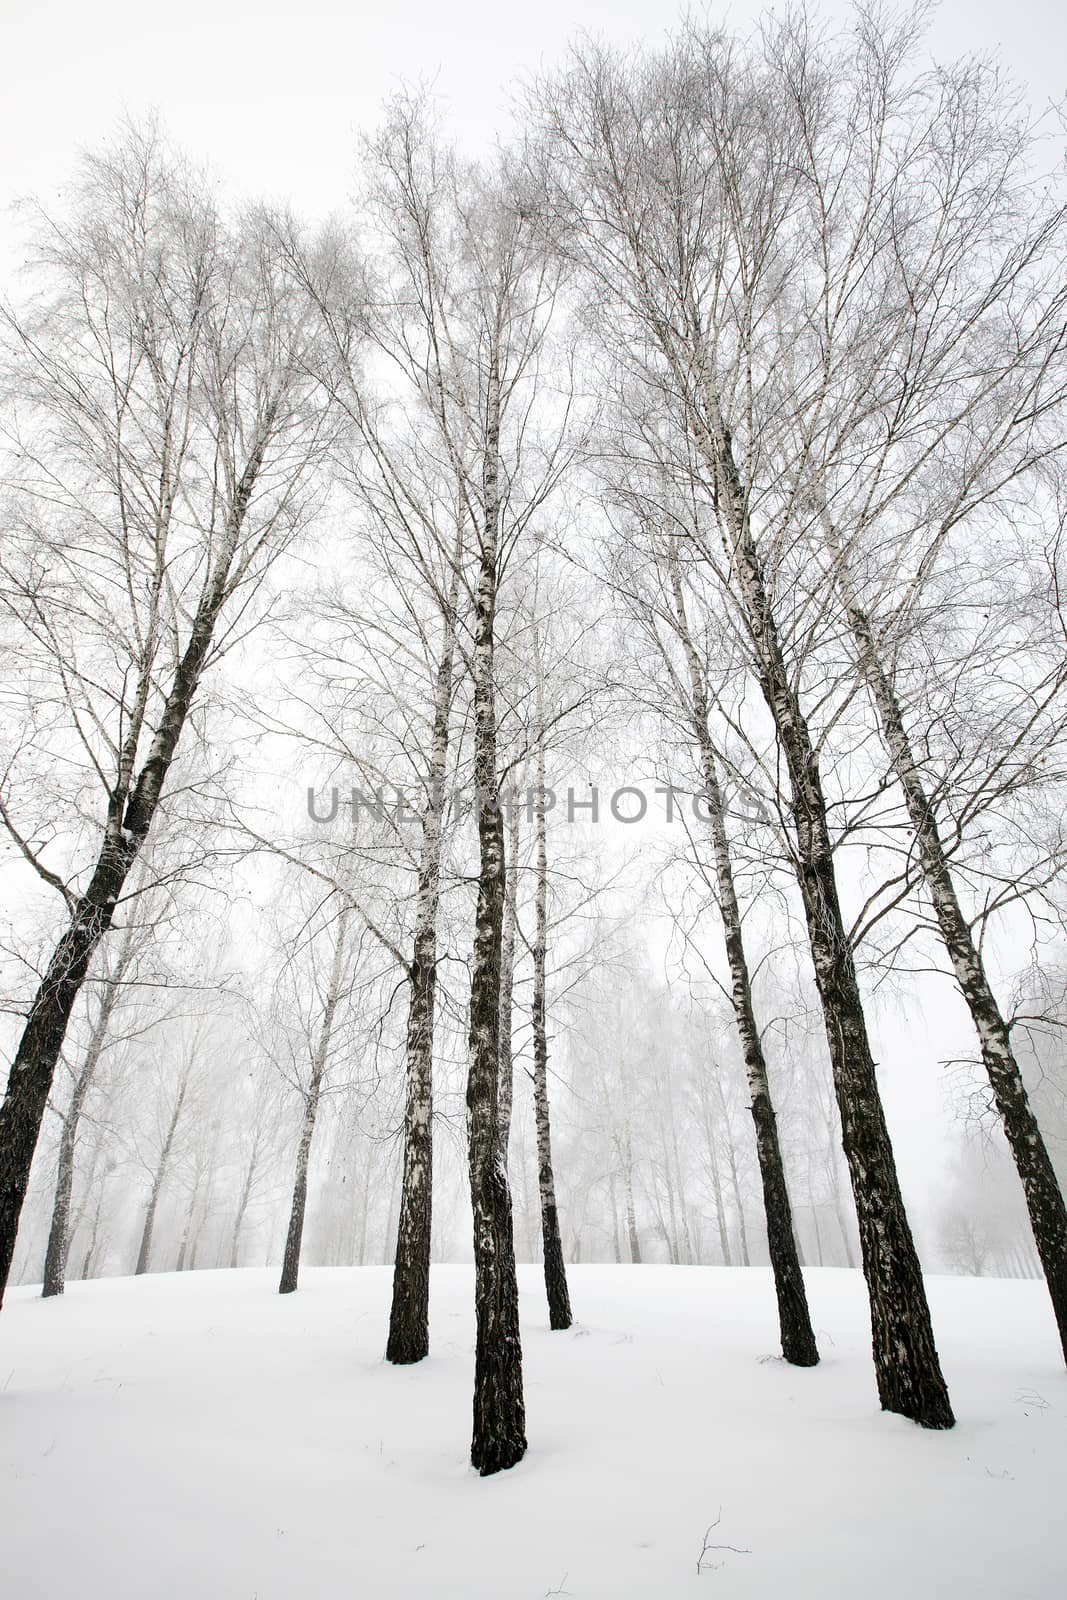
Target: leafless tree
point(55, 1261)
point(653, 182)
point(167, 415)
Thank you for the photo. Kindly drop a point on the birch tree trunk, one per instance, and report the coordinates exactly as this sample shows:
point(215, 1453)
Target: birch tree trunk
point(130, 815)
point(254, 1158)
point(89, 1259)
point(55, 1257)
point(686, 1237)
point(294, 1236)
point(817, 1231)
point(364, 1218)
point(626, 1161)
point(794, 1318)
point(499, 1437)
point(713, 1168)
point(1044, 1197)
point(507, 978)
point(907, 1368)
point(739, 1199)
point(295, 1233)
point(145, 1251)
point(55, 1260)
point(409, 1316)
point(559, 1304)
point(616, 1242)
point(187, 1229)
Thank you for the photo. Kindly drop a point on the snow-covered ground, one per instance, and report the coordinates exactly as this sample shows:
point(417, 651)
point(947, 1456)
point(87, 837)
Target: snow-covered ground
point(200, 1437)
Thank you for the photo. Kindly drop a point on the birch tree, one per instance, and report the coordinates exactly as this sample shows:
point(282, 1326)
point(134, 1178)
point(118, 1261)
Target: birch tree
point(483, 292)
point(166, 416)
point(311, 1095)
point(55, 1261)
point(643, 160)
point(159, 1165)
point(392, 719)
point(559, 1304)
point(940, 331)
point(798, 1338)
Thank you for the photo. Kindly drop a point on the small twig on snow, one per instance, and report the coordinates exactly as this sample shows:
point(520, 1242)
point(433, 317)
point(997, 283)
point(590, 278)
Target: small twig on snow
point(707, 1546)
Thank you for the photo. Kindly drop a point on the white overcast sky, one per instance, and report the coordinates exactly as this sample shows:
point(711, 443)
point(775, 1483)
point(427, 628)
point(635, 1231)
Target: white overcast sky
point(272, 93)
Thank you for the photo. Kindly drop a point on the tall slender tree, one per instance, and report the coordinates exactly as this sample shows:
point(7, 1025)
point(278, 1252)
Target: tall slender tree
point(559, 1304)
point(483, 293)
point(499, 1438)
point(409, 1318)
point(798, 1338)
point(162, 1163)
point(55, 1261)
point(311, 1093)
point(508, 946)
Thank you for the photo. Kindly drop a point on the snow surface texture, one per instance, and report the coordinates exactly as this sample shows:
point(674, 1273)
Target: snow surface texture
point(165, 1437)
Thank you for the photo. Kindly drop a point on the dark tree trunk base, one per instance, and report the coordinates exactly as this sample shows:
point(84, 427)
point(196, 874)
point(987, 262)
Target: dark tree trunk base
point(498, 1456)
point(559, 1301)
point(409, 1315)
point(409, 1331)
point(798, 1346)
point(794, 1318)
point(499, 1438)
